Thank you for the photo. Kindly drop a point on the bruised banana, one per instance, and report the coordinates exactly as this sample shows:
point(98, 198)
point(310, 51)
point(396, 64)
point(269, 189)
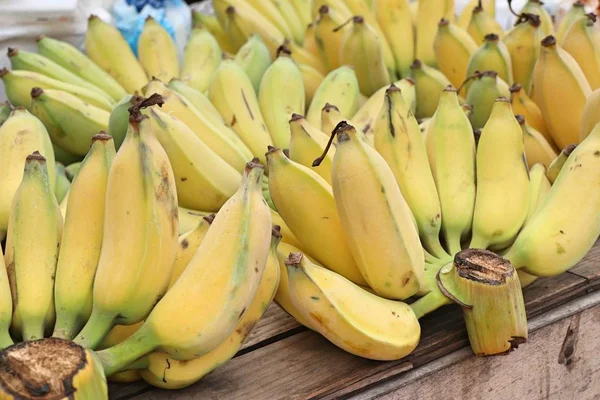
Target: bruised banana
point(254, 58)
point(582, 41)
point(201, 58)
point(163, 64)
point(308, 143)
point(453, 50)
point(537, 148)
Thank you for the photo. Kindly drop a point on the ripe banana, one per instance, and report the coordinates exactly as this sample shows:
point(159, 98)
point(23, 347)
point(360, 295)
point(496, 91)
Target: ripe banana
point(537, 148)
point(32, 245)
point(163, 64)
point(228, 266)
point(211, 23)
point(254, 58)
point(536, 7)
point(331, 117)
point(557, 164)
point(109, 50)
point(310, 40)
point(568, 223)
point(20, 135)
point(219, 137)
point(483, 93)
point(82, 239)
point(311, 79)
point(392, 264)
point(582, 41)
point(280, 96)
point(288, 236)
point(454, 48)
point(522, 104)
point(450, 140)
point(70, 58)
point(429, 83)
point(294, 24)
point(18, 86)
point(307, 143)
point(362, 50)
point(493, 55)
point(204, 181)
point(576, 11)
point(502, 178)
point(395, 22)
point(539, 187)
point(489, 6)
point(305, 202)
point(141, 209)
point(6, 305)
point(336, 5)
point(340, 87)
point(561, 105)
point(303, 56)
point(429, 14)
point(198, 99)
point(590, 116)
point(189, 219)
point(239, 108)
point(201, 58)
point(350, 317)
point(523, 45)
point(303, 11)
point(269, 11)
point(70, 121)
point(329, 33)
point(283, 296)
point(482, 24)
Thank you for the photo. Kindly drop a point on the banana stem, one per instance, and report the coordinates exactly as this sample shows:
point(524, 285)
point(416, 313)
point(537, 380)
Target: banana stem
point(319, 160)
point(429, 303)
point(434, 247)
point(5, 339)
point(140, 363)
point(95, 330)
point(66, 327)
point(478, 243)
point(453, 244)
point(128, 352)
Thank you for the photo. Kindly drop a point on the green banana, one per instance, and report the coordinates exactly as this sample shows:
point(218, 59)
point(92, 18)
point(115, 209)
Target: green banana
point(429, 83)
point(254, 58)
point(119, 118)
point(483, 92)
point(5, 110)
point(493, 55)
point(61, 187)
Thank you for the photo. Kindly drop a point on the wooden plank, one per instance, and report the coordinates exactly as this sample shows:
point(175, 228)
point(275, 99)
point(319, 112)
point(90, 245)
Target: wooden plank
point(589, 267)
point(275, 324)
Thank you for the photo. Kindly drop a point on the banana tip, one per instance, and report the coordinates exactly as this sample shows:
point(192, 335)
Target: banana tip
point(36, 92)
point(296, 117)
point(294, 259)
point(549, 41)
point(3, 72)
point(101, 136)
point(36, 156)
point(276, 231)
point(12, 51)
point(520, 119)
point(209, 218)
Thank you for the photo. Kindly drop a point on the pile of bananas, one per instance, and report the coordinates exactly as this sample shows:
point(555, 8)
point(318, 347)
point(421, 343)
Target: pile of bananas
point(361, 163)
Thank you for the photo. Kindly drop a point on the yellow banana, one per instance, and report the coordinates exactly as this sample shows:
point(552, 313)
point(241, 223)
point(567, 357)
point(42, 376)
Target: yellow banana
point(287, 11)
point(6, 305)
point(576, 11)
point(268, 10)
point(283, 296)
point(453, 50)
point(489, 6)
point(313, 221)
point(582, 41)
point(311, 79)
point(482, 24)
point(109, 50)
point(561, 105)
point(558, 163)
point(522, 104)
point(310, 39)
point(303, 11)
point(329, 33)
point(70, 58)
point(536, 7)
point(395, 23)
point(307, 143)
point(429, 14)
point(19, 84)
point(280, 96)
point(201, 58)
point(204, 181)
point(337, 5)
point(70, 121)
point(523, 45)
point(331, 117)
point(429, 83)
point(32, 245)
point(211, 23)
point(539, 186)
point(163, 64)
point(537, 148)
point(453, 149)
point(20, 135)
point(82, 240)
point(340, 87)
point(228, 266)
point(502, 180)
point(239, 108)
point(398, 140)
point(590, 116)
point(189, 219)
point(482, 93)
point(303, 56)
point(350, 317)
point(254, 58)
point(567, 224)
point(493, 55)
point(141, 210)
point(199, 100)
point(288, 236)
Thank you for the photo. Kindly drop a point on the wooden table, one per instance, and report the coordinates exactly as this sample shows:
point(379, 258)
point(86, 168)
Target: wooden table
point(282, 360)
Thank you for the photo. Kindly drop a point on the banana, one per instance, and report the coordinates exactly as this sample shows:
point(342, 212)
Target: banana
point(576, 11)
point(310, 40)
point(70, 58)
point(590, 116)
point(311, 79)
point(201, 58)
point(482, 93)
point(537, 148)
point(398, 140)
point(106, 47)
point(450, 140)
point(353, 319)
point(558, 163)
point(502, 196)
point(6, 305)
point(489, 6)
point(72, 169)
point(482, 24)
point(539, 186)
point(303, 11)
point(330, 30)
point(5, 110)
point(118, 121)
point(70, 121)
point(288, 236)
point(228, 266)
point(65, 157)
point(141, 209)
point(303, 56)
point(536, 7)
point(219, 137)
point(62, 183)
point(582, 41)
point(429, 14)
point(32, 244)
point(18, 86)
point(189, 219)
point(454, 47)
point(522, 104)
point(198, 99)
point(254, 58)
point(211, 23)
point(337, 5)
point(493, 55)
point(313, 221)
point(523, 45)
point(340, 87)
point(280, 96)
point(167, 373)
point(287, 11)
point(395, 23)
point(163, 64)
point(331, 117)
point(239, 108)
point(268, 10)
point(362, 50)
point(20, 135)
point(429, 83)
point(82, 239)
point(561, 105)
point(307, 143)
point(204, 181)
point(567, 224)
point(283, 296)
point(34, 62)
point(392, 264)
